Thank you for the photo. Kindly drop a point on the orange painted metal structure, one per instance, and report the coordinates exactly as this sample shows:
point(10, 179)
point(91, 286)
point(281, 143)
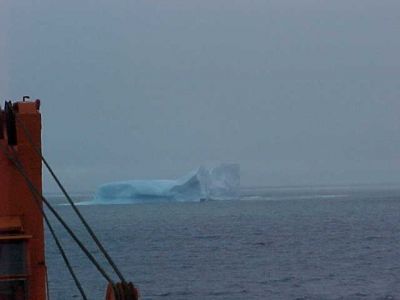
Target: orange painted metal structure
point(22, 253)
point(22, 257)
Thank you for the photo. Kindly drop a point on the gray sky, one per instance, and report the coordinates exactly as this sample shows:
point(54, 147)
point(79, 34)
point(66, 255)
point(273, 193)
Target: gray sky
point(296, 91)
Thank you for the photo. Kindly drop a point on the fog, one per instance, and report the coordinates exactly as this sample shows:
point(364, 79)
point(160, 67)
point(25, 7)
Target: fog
point(296, 92)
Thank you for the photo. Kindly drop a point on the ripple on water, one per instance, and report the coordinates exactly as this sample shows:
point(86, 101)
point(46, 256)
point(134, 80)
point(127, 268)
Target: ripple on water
point(291, 249)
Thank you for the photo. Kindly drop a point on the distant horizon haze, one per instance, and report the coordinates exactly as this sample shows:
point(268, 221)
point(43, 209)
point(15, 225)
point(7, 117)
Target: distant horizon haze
point(296, 92)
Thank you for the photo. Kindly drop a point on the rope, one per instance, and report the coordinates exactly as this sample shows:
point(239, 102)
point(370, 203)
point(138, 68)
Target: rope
point(47, 285)
point(82, 219)
point(65, 258)
point(53, 234)
point(36, 192)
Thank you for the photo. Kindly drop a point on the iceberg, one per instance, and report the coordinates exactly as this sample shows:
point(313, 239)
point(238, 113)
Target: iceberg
point(221, 182)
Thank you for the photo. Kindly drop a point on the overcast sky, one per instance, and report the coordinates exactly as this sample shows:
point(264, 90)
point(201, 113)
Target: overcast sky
point(295, 91)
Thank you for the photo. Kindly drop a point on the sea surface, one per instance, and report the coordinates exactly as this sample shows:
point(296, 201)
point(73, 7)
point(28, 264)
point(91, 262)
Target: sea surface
point(274, 243)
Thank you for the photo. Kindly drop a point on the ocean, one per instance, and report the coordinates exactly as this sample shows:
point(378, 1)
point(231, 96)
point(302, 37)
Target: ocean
point(274, 243)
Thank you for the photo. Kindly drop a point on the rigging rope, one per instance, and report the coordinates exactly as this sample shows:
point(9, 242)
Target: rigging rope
point(36, 192)
point(47, 285)
point(82, 219)
point(65, 258)
point(53, 233)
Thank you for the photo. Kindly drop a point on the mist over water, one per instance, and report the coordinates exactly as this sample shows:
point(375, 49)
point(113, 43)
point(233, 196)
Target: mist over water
point(296, 92)
point(292, 243)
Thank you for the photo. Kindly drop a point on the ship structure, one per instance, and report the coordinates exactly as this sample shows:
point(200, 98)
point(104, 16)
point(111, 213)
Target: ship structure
point(23, 270)
point(22, 260)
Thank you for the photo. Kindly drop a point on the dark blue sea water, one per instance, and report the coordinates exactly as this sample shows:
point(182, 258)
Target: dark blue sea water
point(282, 243)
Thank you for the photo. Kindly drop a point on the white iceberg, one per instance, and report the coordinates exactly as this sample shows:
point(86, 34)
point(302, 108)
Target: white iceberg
point(213, 183)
